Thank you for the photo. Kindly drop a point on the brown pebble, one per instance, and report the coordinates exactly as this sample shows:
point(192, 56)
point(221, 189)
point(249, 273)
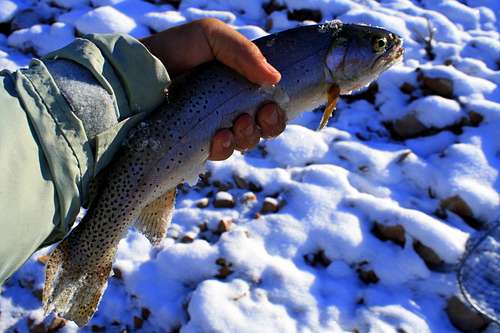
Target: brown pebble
point(407, 88)
point(240, 181)
point(437, 86)
point(408, 127)
point(188, 238)
point(38, 293)
point(428, 255)
point(223, 200)
point(458, 206)
point(117, 273)
point(98, 328)
point(202, 203)
point(138, 322)
point(248, 197)
point(368, 277)
point(270, 205)
point(56, 324)
point(224, 225)
point(203, 226)
point(43, 259)
point(393, 233)
point(38, 328)
point(145, 313)
point(463, 317)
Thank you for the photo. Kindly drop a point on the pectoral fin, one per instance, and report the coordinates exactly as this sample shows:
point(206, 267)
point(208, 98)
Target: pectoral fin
point(155, 217)
point(333, 97)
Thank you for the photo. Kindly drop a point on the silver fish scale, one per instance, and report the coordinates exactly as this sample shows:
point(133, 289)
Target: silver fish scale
point(479, 273)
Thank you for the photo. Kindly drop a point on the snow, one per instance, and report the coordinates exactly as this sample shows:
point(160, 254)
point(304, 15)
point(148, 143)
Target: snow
point(311, 265)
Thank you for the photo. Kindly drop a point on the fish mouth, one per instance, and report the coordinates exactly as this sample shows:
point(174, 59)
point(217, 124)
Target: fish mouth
point(392, 55)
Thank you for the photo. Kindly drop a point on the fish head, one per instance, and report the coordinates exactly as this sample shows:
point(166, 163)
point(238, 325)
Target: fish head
point(358, 54)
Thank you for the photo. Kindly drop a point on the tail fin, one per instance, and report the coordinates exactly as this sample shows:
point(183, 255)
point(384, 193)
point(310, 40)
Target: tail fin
point(73, 291)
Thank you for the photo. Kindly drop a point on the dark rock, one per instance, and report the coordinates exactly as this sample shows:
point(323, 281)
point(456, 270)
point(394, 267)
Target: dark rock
point(202, 203)
point(56, 324)
point(188, 238)
point(407, 88)
point(138, 322)
point(408, 127)
point(225, 268)
point(318, 258)
point(145, 313)
point(365, 274)
point(428, 255)
point(224, 225)
point(98, 328)
point(25, 19)
point(463, 317)
point(272, 6)
point(436, 86)
point(475, 119)
point(305, 15)
point(392, 233)
point(270, 205)
point(458, 206)
point(224, 200)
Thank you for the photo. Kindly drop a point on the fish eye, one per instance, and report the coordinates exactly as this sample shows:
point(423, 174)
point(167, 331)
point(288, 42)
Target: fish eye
point(379, 44)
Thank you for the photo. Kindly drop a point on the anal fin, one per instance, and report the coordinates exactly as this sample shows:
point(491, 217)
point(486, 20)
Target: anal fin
point(156, 216)
point(333, 97)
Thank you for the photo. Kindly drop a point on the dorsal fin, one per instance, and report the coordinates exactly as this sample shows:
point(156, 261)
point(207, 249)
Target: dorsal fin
point(156, 216)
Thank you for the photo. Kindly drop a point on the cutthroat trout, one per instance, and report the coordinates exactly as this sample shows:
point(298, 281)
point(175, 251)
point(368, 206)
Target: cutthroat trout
point(317, 64)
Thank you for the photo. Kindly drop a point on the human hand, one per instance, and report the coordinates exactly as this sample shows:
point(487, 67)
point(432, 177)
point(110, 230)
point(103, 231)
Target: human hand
point(216, 40)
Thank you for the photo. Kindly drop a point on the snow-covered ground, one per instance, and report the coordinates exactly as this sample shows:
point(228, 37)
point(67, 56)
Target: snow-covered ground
point(354, 228)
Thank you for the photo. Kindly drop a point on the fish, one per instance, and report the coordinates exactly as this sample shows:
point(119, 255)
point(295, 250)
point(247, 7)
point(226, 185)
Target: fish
point(318, 63)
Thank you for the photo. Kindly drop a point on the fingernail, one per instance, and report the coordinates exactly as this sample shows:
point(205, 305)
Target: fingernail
point(248, 130)
point(226, 143)
point(272, 118)
point(273, 70)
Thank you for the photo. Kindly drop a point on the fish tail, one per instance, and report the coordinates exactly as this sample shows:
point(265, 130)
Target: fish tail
point(73, 291)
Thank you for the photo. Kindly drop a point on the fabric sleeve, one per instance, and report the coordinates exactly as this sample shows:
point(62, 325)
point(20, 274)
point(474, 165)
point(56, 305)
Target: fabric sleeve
point(47, 159)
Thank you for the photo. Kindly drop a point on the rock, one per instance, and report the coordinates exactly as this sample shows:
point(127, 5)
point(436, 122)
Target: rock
point(202, 203)
point(436, 86)
point(365, 274)
point(225, 268)
point(305, 15)
point(408, 127)
point(248, 197)
point(475, 118)
point(318, 258)
point(222, 186)
point(43, 259)
point(189, 237)
point(463, 317)
point(145, 313)
point(138, 322)
point(38, 293)
point(38, 328)
point(458, 206)
point(407, 88)
point(392, 233)
point(117, 273)
point(428, 255)
point(25, 19)
point(223, 200)
point(224, 225)
point(203, 226)
point(98, 328)
point(270, 205)
point(240, 181)
point(56, 324)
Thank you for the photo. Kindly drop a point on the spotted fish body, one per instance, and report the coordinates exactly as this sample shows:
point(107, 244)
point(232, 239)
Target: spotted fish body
point(172, 145)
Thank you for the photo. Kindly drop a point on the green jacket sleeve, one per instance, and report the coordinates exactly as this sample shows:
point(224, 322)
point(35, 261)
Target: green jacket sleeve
point(47, 158)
